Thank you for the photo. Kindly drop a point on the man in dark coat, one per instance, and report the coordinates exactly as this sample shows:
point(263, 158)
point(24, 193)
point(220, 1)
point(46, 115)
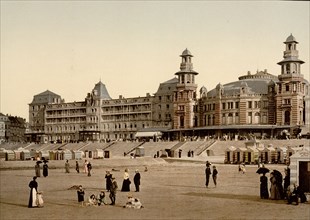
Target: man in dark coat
point(113, 189)
point(136, 180)
point(208, 173)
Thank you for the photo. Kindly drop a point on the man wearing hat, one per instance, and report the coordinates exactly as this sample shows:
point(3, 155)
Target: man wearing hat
point(113, 191)
point(208, 173)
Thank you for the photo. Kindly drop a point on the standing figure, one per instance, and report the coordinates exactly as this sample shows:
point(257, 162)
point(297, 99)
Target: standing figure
point(80, 194)
point(89, 167)
point(136, 180)
point(274, 190)
point(208, 173)
point(243, 168)
point(286, 182)
point(113, 189)
point(264, 194)
point(108, 183)
point(214, 175)
point(45, 169)
point(85, 167)
point(33, 193)
point(67, 167)
point(77, 167)
point(126, 182)
point(37, 169)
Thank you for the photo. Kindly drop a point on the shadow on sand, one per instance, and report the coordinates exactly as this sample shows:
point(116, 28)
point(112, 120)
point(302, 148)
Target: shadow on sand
point(234, 197)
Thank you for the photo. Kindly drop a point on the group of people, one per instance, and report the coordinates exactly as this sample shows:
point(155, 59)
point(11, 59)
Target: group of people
point(111, 187)
point(208, 173)
point(280, 188)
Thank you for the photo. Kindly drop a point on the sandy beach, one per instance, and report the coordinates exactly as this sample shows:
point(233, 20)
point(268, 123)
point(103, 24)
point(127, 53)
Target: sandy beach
point(169, 190)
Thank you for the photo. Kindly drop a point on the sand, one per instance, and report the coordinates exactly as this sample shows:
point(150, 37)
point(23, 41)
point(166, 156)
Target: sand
point(168, 191)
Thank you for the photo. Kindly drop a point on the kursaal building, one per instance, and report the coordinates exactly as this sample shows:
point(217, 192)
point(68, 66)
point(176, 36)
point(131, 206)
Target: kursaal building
point(260, 105)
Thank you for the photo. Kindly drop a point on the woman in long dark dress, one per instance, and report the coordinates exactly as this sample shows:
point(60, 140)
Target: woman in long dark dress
point(45, 169)
point(33, 193)
point(264, 194)
point(126, 182)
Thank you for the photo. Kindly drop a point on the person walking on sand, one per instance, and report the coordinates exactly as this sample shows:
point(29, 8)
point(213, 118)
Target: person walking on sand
point(136, 180)
point(113, 189)
point(208, 173)
point(33, 185)
point(214, 175)
point(77, 167)
point(67, 167)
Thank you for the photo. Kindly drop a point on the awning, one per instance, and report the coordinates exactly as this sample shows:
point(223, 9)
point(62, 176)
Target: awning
point(148, 134)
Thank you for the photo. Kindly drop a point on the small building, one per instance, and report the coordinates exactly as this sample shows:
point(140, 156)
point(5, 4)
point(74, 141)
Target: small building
point(300, 169)
point(140, 151)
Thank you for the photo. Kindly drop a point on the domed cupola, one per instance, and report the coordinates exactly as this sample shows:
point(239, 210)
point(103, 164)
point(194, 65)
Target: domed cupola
point(290, 64)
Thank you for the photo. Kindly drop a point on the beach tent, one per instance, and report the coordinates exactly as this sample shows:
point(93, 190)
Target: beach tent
point(239, 155)
point(66, 155)
point(2, 154)
point(280, 154)
point(9, 155)
point(44, 154)
point(52, 154)
point(229, 154)
point(25, 155)
point(17, 153)
point(77, 154)
point(251, 155)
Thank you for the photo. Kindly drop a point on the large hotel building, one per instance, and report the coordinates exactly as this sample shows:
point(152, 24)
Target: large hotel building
point(259, 104)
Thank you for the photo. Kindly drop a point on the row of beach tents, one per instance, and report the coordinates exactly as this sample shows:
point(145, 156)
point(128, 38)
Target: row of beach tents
point(258, 153)
point(25, 154)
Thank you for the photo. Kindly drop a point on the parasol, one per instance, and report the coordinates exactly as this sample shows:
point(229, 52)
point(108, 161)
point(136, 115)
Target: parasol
point(262, 170)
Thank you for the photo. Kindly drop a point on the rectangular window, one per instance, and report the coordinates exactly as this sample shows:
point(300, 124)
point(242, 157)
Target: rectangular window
point(236, 105)
point(223, 105)
point(249, 104)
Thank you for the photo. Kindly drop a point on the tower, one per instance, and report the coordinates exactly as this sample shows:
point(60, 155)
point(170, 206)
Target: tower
point(185, 94)
point(291, 88)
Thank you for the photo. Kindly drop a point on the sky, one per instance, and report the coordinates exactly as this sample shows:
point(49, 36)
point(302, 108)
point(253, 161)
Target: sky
point(133, 46)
